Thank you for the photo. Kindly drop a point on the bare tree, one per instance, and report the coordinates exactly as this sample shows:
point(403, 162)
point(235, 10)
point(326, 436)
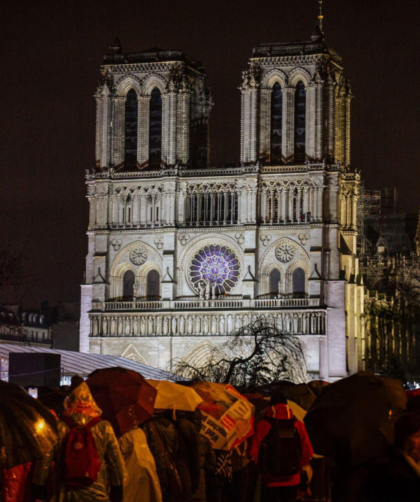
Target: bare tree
point(12, 269)
point(256, 354)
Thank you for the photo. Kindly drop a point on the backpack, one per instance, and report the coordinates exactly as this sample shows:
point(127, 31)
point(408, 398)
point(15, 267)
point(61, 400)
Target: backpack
point(81, 458)
point(280, 450)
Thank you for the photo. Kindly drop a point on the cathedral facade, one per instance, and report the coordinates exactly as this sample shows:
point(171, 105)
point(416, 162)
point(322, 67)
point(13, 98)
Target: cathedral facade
point(182, 253)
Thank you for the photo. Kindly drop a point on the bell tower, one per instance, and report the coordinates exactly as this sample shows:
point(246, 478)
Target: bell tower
point(152, 111)
point(295, 104)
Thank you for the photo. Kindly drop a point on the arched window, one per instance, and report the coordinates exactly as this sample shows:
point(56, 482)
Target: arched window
point(300, 122)
point(299, 283)
point(276, 123)
point(128, 285)
point(131, 124)
point(274, 282)
point(155, 128)
point(153, 285)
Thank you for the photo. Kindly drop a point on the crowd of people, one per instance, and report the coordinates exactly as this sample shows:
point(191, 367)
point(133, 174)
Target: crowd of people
point(166, 459)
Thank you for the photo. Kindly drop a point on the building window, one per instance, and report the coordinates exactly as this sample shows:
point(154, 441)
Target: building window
point(155, 128)
point(128, 285)
point(131, 124)
point(153, 285)
point(299, 283)
point(276, 123)
point(300, 122)
point(275, 282)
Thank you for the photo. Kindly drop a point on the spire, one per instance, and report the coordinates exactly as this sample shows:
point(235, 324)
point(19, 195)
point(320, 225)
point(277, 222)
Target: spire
point(318, 34)
point(320, 16)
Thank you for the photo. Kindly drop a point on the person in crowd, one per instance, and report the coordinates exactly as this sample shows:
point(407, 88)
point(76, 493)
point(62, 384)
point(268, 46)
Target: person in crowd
point(142, 477)
point(238, 490)
point(188, 456)
point(163, 441)
point(218, 484)
point(207, 460)
point(89, 464)
point(397, 478)
point(75, 381)
point(280, 448)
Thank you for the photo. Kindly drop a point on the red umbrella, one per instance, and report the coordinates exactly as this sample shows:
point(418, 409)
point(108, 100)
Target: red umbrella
point(124, 396)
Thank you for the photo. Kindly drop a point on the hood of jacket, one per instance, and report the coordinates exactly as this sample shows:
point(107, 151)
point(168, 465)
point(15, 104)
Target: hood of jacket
point(279, 412)
point(80, 405)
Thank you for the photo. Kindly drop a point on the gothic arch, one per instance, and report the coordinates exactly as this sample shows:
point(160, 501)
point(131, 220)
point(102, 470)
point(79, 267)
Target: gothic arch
point(299, 75)
point(198, 243)
point(122, 264)
point(272, 77)
point(201, 353)
point(126, 83)
point(150, 82)
point(269, 261)
point(143, 273)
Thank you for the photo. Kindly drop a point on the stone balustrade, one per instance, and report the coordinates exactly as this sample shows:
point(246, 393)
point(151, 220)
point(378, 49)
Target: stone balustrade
point(196, 304)
point(106, 324)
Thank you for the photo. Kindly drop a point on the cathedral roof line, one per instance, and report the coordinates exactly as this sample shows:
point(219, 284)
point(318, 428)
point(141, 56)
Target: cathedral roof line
point(153, 55)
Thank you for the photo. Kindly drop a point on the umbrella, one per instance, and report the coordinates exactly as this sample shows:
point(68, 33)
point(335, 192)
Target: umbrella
point(350, 418)
point(172, 396)
point(124, 396)
point(228, 416)
point(53, 399)
point(28, 431)
point(317, 385)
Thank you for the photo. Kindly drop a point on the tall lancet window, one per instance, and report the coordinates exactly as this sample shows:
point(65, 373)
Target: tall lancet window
point(131, 122)
point(155, 128)
point(300, 122)
point(276, 123)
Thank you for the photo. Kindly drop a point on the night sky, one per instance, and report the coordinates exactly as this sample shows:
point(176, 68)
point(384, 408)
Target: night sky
point(52, 51)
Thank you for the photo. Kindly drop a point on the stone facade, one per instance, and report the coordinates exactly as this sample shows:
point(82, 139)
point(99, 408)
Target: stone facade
point(182, 254)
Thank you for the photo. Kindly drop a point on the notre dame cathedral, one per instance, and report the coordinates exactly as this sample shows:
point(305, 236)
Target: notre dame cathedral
point(182, 253)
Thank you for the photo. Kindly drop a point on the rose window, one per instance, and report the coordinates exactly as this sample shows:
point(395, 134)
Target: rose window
point(138, 256)
point(215, 267)
point(285, 252)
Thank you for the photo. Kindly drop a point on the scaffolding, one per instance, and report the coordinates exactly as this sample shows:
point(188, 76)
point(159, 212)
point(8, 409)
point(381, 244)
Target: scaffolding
point(369, 206)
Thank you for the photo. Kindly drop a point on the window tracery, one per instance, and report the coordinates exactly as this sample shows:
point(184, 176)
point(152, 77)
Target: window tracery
point(212, 204)
point(155, 128)
point(276, 123)
point(131, 127)
point(214, 271)
point(300, 122)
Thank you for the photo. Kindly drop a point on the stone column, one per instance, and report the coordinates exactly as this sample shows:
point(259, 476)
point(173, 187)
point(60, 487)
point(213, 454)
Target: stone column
point(183, 127)
point(118, 136)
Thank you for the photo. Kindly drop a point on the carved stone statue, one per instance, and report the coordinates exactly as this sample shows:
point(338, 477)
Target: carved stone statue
point(201, 289)
point(181, 325)
point(230, 323)
point(113, 326)
point(213, 291)
point(174, 331)
point(128, 326)
point(190, 325)
point(143, 326)
point(159, 325)
point(213, 325)
point(222, 325)
point(150, 325)
point(105, 326)
point(120, 326)
point(206, 325)
point(136, 326)
point(165, 325)
point(198, 325)
point(208, 289)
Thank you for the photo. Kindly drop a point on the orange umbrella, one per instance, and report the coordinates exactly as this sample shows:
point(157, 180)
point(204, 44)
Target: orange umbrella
point(228, 416)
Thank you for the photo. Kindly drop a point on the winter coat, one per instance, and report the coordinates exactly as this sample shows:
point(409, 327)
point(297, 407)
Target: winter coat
point(141, 468)
point(187, 458)
point(207, 464)
point(169, 440)
point(280, 412)
point(81, 408)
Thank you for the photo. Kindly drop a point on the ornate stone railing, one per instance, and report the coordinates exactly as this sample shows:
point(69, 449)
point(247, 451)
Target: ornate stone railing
point(196, 304)
point(184, 323)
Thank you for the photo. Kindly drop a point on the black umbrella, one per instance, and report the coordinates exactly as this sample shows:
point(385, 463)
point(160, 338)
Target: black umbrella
point(350, 419)
point(28, 431)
